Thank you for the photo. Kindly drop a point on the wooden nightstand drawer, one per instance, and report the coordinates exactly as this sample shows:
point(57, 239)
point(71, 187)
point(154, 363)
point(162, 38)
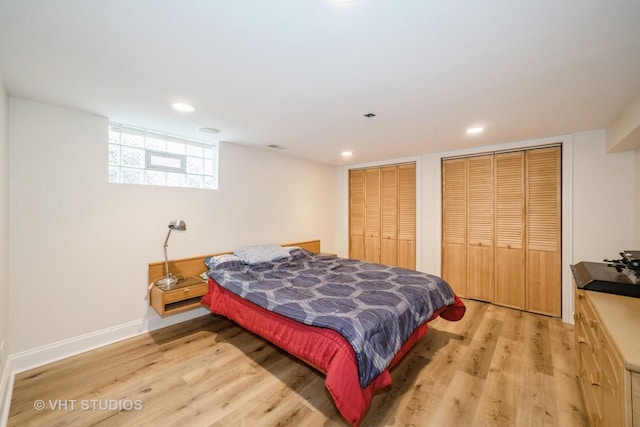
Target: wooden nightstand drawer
point(185, 297)
point(187, 292)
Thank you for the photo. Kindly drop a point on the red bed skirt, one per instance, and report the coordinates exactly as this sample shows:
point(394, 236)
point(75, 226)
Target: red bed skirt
point(322, 348)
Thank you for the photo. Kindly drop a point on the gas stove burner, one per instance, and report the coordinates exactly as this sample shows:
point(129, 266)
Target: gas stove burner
point(630, 260)
point(617, 277)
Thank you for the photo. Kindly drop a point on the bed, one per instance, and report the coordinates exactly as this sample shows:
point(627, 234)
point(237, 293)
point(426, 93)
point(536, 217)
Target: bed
point(297, 302)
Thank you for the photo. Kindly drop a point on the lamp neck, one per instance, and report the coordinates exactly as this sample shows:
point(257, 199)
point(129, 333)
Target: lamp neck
point(166, 241)
point(166, 260)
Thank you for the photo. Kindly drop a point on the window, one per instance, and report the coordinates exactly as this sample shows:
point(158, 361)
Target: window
point(141, 156)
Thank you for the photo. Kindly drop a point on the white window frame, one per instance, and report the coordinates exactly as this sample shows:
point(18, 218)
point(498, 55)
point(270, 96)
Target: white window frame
point(146, 157)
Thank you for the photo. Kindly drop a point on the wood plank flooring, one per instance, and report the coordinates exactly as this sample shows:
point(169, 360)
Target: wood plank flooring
point(495, 367)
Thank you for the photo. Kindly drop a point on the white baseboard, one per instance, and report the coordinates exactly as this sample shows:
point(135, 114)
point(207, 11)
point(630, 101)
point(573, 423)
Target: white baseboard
point(30, 359)
point(25, 360)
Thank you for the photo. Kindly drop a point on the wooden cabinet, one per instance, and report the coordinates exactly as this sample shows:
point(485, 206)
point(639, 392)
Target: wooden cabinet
point(185, 296)
point(510, 229)
point(635, 398)
point(501, 240)
point(356, 214)
point(543, 231)
point(608, 356)
point(389, 215)
point(480, 228)
point(407, 216)
point(382, 215)
point(372, 215)
point(454, 224)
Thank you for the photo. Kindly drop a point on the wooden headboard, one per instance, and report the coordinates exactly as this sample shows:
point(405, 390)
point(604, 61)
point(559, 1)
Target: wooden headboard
point(187, 267)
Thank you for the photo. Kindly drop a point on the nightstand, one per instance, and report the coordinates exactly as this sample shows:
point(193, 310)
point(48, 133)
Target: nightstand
point(185, 296)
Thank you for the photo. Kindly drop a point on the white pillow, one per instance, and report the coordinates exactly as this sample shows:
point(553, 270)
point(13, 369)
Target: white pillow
point(214, 261)
point(261, 253)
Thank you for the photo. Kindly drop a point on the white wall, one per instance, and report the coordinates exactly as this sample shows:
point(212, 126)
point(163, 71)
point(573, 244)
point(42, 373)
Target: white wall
point(4, 234)
point(604, 188)
point(624, 132)
point(80, 246)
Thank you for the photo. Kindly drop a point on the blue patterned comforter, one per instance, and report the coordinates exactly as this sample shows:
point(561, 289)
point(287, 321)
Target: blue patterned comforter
point(375, 307)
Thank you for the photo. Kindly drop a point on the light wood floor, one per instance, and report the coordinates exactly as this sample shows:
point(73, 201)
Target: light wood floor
point(495, 367)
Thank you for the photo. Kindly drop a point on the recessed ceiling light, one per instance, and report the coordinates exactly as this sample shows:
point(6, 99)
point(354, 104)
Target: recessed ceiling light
point(185, 108)
point(471, 131)
point(346, 153)
point(208, 130)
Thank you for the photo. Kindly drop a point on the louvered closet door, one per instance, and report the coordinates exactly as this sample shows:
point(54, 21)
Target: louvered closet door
point(509, 223)
point(356, 214)
point(407, 216)
point(372, 215)
point(480, 279)
point(544, 231)
point(454, 224)
point(389, 213)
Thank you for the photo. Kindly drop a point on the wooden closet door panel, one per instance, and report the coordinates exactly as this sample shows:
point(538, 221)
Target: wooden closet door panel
point(454, 224)
point(544, 293)
point(407, 254)
point(389, 215)
point(372, 215)
point(356, 214)
point(407, 216)
point(454, 268)
point(544, 283)
point(509, 223)
point(389, 251)
point(510, 277)
point(543, 199)
point(480, 227)
point(480, 273)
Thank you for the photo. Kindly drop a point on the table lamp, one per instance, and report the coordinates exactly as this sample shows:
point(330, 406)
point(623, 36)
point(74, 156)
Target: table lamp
point(169, 281)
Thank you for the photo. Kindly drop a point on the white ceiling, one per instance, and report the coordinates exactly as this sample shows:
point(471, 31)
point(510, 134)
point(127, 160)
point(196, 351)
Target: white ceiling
point(302, 73)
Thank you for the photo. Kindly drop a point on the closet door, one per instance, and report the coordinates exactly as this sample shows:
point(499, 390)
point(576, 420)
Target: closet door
point(407, 216)
point(544, 289)
point(356, 214)
point(454, 224)
point(480, 275)
point(372, 215)
point(509, 223)
point(389, 214)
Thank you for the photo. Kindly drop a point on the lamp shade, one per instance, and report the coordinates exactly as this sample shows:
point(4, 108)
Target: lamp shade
point(178, 224)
